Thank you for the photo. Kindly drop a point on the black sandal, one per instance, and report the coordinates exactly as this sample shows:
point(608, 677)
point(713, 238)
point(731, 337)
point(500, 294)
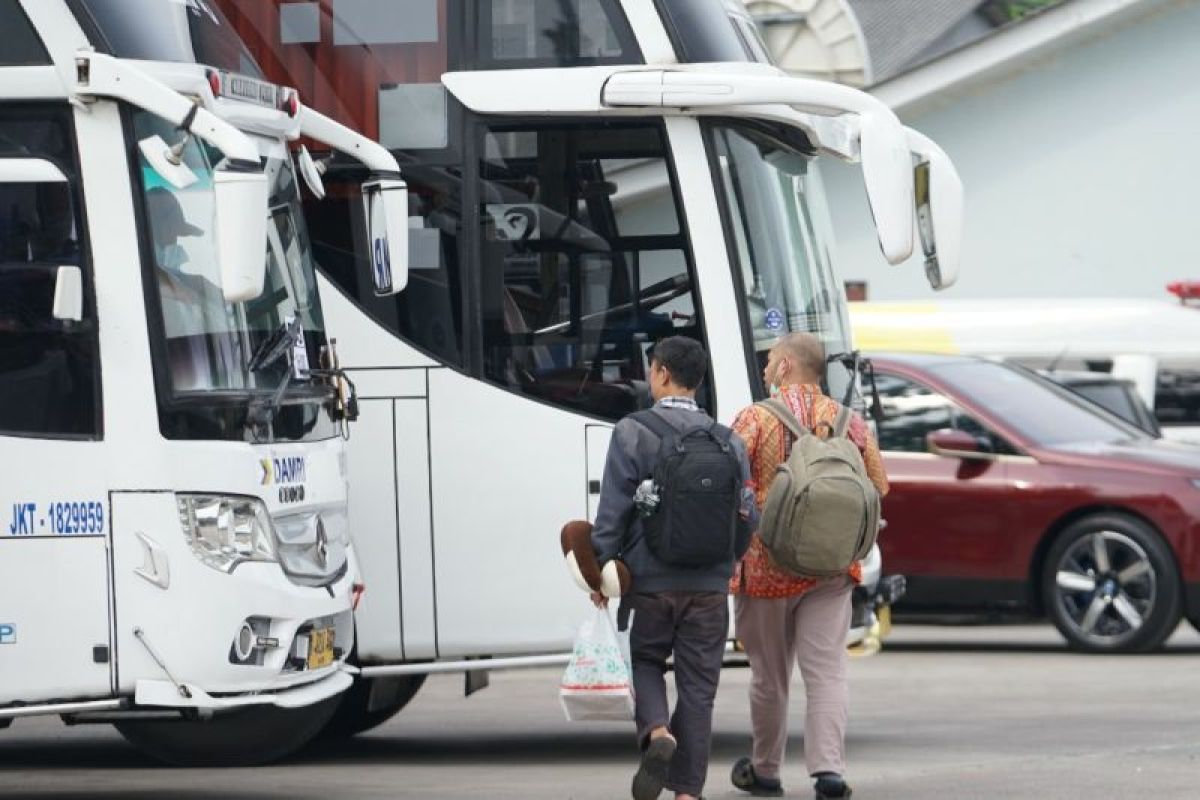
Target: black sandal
point(652, 772)
point(745, 778)
point(832, 787)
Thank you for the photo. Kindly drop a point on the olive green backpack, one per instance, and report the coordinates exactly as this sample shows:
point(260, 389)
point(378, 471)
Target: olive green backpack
point(822, 511)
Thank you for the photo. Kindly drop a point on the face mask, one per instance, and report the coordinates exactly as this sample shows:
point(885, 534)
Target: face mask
point(171, 257)
point(772, 386)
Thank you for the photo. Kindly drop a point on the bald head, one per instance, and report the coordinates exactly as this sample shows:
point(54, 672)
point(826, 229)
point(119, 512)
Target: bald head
point(796, 358)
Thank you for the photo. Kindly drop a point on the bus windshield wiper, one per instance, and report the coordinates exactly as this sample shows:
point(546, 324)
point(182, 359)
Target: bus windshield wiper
point(275, 346)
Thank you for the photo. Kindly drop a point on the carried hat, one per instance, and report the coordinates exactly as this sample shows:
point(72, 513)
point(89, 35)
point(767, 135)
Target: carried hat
point(166, 215)
point(610, 580)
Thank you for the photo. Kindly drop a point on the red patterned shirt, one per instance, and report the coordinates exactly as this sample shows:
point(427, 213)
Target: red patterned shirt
point(768, 444)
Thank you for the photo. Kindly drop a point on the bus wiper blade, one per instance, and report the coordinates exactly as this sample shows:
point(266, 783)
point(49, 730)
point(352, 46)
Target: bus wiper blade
point(261, 413)
point(275, 345)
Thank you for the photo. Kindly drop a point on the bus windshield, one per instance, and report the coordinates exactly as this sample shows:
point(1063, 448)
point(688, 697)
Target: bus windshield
point(182, 31)
point(208, 343)
point(782, 242)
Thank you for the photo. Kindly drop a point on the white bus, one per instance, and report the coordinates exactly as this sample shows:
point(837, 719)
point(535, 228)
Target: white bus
point(175, 554)
point(585, 178)
point(1153, 343)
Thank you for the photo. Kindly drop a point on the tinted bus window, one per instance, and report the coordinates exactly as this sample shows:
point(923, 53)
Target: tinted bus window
point(553, 33)
point(48, 366)
point(712, 30)
point(22, 46)
point(375, 65)
point(584, 263)
point(428, 313)
point(184, 31)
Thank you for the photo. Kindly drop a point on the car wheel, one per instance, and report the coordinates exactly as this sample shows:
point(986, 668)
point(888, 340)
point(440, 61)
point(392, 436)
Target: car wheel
point(1110, 585)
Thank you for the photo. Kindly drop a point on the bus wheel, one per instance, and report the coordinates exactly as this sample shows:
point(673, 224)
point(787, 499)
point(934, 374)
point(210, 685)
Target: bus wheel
point(370, 702)
point(248, 736)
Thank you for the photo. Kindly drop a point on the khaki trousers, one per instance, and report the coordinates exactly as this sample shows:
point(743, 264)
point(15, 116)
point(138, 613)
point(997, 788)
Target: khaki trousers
point(779, 632)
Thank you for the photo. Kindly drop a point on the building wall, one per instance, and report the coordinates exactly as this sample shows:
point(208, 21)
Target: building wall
point(1082, 172)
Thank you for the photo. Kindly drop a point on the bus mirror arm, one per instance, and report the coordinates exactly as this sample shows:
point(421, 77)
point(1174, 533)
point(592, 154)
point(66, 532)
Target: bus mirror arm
point(100, 75)
point(373, 155)
point(385, 197)
point(883, 145)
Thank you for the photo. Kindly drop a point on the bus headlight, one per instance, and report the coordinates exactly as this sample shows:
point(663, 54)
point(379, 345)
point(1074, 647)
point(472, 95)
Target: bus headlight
point(225, 531)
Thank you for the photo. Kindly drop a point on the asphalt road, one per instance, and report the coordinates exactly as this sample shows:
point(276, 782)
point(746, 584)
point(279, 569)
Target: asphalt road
point(980, 712)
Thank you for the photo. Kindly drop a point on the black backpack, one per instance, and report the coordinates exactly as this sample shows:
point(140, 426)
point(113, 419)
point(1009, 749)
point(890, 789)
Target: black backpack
point(699, 481)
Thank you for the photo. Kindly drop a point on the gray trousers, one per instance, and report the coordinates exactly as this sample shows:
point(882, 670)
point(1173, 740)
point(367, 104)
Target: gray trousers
point(778, 633)
point(694, 626)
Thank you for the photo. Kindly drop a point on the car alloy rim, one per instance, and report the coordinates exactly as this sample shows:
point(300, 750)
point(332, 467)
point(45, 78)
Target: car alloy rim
point(1106, 586)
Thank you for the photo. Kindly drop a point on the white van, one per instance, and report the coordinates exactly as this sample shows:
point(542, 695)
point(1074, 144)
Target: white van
point(1154, 343)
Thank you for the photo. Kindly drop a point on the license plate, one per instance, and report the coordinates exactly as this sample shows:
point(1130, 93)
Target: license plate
point(320, 647)
point(240, 87)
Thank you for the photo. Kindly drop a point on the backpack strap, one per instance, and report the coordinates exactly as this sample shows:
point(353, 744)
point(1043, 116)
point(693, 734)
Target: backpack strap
point(722, 434)
point(661, 427)
point(780, 411)
point(658, 425)
point(841, 426)
point(656, 422)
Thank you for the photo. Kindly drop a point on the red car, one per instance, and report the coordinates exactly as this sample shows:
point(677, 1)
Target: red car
point(1011, 494)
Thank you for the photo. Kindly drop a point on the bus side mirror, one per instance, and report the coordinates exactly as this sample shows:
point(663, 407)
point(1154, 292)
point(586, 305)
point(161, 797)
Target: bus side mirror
point(938, 196)
point(886, 167)
point(240, 217)
point(311, 171)
point(385, 202)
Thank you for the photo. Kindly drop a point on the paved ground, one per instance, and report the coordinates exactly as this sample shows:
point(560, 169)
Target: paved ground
point(983, 712)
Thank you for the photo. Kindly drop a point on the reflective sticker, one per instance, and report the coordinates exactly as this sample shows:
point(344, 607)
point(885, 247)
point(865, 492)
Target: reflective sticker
point(515, 222)
point(774, 320)
point(382, 263)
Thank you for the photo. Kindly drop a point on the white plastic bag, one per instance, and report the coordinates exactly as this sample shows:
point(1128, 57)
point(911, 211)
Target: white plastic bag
point(596, 685)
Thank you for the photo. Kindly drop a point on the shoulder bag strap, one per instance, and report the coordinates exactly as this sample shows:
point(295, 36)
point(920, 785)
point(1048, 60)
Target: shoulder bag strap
point(841, 426)
point(780, 411)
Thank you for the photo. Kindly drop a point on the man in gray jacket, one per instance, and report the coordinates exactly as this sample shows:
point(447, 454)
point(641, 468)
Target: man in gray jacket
point(676, 609)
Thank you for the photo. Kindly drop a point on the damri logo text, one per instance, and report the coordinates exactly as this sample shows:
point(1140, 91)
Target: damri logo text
point(289, 473)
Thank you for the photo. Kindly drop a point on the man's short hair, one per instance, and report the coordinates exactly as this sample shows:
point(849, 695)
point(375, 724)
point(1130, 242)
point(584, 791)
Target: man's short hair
point(684, 358)
point(806, 349)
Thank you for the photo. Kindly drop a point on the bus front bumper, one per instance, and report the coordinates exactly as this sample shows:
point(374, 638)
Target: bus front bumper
point(165, 694)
